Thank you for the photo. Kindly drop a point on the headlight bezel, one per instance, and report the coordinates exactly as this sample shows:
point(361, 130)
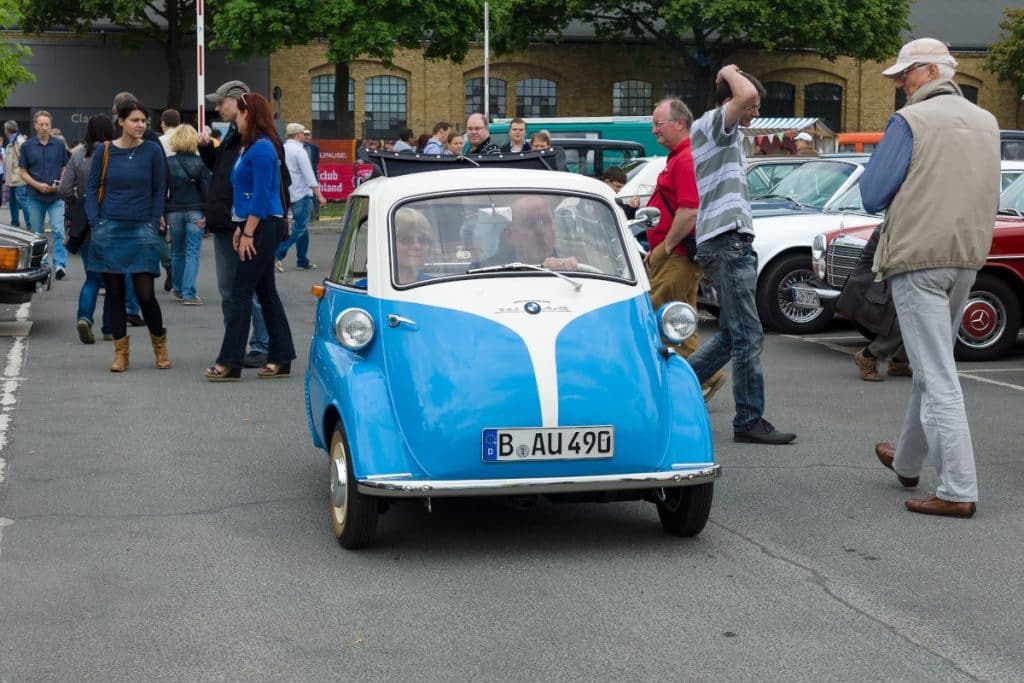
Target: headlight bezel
point(669, 324)
point(344, 333)
point(819, 249)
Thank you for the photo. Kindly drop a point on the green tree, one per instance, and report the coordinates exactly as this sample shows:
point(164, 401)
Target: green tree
point(350, 29)
point(1006, 55)
point(12, 72)
point(164, 22)
point(705, 33)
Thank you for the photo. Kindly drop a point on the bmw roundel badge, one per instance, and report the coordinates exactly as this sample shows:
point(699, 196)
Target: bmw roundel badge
point(531, 307)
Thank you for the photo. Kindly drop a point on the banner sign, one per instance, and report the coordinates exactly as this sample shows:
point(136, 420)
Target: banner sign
point(336, 171)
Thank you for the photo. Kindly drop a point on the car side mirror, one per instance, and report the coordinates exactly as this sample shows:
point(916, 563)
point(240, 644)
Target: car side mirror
point(649, 215)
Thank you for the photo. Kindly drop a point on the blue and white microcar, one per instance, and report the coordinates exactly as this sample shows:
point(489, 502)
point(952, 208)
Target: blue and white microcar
point(488, 332)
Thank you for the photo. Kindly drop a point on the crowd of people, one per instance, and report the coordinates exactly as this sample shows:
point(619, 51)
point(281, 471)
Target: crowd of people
point(131, 202)
point(444, 140)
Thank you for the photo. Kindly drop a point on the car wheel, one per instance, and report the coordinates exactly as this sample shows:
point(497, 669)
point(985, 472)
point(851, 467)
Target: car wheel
point(775, 299)
point(990, 321)
point(685, 510)
point(353, 515)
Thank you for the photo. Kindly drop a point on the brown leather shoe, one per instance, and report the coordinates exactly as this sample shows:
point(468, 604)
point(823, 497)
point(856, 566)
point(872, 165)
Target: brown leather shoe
point(933, 505)
point(886, 453)
point(898, 369)
point(868, 367)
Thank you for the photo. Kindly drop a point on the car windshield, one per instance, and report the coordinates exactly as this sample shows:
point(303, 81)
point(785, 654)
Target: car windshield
point(634, 166)
point(1012, 198)
point(850, 200)
point(814, 183)
point(479, 234)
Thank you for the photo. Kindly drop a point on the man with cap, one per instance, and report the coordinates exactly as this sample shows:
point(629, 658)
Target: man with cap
point(935, 237)
point(314, 158)
point(302, 191)
point(221, 161)
point(805, 145)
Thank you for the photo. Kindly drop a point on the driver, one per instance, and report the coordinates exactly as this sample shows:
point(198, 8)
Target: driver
point(531, 236)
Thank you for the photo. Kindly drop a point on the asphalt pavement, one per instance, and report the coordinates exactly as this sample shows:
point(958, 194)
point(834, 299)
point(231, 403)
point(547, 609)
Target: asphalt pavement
point(154, 526)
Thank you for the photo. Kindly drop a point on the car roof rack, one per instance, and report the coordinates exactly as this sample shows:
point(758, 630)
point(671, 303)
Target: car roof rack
point(393, 164)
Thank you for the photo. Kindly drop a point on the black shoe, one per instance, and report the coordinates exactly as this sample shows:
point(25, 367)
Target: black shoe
point(135, 320)
point(60, 273)
point(168, 283)
point(254, 359)
point(762, 431)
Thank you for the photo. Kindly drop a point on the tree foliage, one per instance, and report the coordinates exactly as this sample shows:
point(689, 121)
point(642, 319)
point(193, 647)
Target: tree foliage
point(1006, 55)
point(164, 22)
point(705, 33)
point(350, 29)
point(12, 71)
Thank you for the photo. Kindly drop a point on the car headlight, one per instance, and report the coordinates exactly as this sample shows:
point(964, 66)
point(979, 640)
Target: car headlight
point(353, 328)
point(818, 257)
point(678, 321)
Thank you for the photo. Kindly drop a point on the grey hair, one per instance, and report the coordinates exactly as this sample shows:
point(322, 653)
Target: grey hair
point(946, 72)
point(677, 110)
point(123, 98)
point(11, 126)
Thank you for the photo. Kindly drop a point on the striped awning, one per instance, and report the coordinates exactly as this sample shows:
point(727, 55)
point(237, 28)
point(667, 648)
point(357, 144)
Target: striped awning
point(774, 125)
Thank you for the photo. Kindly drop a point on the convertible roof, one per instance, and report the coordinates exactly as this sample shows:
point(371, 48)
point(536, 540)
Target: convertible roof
point(393, 164)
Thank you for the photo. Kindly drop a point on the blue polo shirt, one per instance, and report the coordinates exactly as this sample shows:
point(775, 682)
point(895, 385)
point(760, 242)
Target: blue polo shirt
point(44, 163)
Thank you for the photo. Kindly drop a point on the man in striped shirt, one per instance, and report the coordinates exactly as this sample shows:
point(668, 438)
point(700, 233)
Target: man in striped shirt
point(725, 233)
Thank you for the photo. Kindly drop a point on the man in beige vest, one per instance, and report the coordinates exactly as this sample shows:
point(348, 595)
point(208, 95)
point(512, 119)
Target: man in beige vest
point(935, 237)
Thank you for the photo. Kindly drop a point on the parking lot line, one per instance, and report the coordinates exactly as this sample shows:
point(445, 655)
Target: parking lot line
point(986, 380)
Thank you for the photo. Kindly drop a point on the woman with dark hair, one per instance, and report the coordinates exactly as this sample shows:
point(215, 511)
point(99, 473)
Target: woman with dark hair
point(259, 209)
point(421, 142)
point(99, 129)
point(124, 220)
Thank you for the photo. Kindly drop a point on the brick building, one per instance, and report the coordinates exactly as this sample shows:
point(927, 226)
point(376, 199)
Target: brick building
point(582, 77)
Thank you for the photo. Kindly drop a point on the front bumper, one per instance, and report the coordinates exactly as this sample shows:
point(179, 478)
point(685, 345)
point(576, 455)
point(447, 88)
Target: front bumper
point(404, 488)
point(806, 292)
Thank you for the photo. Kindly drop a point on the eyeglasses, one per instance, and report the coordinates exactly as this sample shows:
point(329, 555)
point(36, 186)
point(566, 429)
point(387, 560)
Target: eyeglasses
point(535, 221)
point(409, 240)
point(902, 76)
point(753, 107)
point(659, 124)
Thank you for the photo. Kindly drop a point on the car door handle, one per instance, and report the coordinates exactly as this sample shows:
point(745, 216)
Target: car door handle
point(396, 320)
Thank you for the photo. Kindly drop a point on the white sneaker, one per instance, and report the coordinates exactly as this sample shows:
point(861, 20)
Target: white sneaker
point(278, 266)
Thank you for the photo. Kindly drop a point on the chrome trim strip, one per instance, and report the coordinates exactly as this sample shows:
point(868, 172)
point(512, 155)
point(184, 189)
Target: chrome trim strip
point(498, 487)
point(39, 274)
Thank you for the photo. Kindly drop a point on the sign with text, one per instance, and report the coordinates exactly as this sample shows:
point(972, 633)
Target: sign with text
point(336, 171)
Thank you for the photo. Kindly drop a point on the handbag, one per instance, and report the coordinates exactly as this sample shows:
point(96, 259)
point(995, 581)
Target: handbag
point(76, 223)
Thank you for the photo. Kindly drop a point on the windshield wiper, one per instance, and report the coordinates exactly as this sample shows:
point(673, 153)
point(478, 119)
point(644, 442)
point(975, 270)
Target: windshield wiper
point(516, 265)
point(1012, 212)
point(798, 203)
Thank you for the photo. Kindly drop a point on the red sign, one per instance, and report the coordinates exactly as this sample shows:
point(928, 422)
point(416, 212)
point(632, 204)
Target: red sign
point(336, 170)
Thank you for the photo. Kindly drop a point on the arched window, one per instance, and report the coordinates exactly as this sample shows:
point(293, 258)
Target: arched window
point(778, 99)
point(324, 120)
point(536, 97)
point(687, 92)
point(385, 107)
point(496, 94)
point(631, 98)
point(825, 101)
point(970, 92)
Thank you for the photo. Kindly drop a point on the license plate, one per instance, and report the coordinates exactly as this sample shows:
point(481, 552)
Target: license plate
point(804, 296)
point(555, 443)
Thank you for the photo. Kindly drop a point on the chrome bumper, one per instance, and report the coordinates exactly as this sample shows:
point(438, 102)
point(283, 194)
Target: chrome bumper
point(826, 296)
point(524, 486)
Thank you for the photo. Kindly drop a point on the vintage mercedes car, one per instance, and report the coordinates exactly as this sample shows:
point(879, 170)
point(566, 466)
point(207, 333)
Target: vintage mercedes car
point(487, 331)
point(23, 265)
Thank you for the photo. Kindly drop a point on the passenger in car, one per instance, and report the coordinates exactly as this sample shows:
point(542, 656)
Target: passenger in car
point(413, 238)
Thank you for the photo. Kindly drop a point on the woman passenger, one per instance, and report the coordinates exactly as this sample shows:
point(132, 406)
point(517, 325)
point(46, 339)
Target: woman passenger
point(259, 211)
point(125, 242)
point(454, 146)
point(187, 183)
point(98, 130)
point(413, 237)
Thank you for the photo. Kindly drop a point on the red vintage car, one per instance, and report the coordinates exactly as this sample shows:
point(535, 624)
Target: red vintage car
point(992, 317)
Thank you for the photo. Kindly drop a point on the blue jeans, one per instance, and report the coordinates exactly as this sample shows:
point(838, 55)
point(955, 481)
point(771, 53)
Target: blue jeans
point(186, 245)
point(90, 293)
point(300, 233)
point(730, 263)
point(226, 259)
point(37, 213)
point(255, 277)
point(17, 204)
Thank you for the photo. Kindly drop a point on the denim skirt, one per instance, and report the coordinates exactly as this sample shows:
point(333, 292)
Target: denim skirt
point(124, 247)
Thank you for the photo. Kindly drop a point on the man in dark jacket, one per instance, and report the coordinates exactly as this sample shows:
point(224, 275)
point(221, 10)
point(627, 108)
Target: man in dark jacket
point(221, 160)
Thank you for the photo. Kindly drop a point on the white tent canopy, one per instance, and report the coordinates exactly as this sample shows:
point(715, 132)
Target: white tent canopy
point(774, 125)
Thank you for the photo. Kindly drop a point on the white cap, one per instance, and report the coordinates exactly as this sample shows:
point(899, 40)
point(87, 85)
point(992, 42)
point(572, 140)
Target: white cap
point(920, 51)
point(804, 136)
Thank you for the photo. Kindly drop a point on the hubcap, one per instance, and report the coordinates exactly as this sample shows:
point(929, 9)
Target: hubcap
point(339, 480)
point(785, 298)
point(983, 321)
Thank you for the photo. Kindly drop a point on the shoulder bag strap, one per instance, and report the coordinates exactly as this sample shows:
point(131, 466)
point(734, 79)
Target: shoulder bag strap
point(103, 173)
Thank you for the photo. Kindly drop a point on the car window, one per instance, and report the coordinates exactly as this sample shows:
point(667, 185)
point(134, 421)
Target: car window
point(449, 236)
point(1012, 150)
point(757, 182)
point(814, 183)
point(1012, 198)
point(849, 201)
point(633, 167)
point(349, 266)
point(1008, 177)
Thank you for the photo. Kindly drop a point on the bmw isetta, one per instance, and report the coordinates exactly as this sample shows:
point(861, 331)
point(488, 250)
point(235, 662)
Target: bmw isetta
point(487, 331)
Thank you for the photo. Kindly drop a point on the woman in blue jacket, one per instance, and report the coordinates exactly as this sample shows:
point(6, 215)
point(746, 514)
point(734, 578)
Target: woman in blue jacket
point(124, 227)
point(259, 212)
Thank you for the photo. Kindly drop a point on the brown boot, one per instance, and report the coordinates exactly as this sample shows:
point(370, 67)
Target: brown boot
point(120, 363)
point(900, 369)
point(160, 350)
point(868, 367)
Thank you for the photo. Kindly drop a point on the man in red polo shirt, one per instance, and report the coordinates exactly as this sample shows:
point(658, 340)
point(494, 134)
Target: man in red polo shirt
point(674, 275)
